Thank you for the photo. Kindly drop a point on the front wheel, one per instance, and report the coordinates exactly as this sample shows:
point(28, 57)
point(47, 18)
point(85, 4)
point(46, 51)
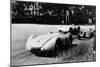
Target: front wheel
point(58, 46)
point(70, 40)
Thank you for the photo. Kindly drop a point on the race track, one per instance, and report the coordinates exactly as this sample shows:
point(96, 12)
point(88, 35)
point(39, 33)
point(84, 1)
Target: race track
point(21, 56)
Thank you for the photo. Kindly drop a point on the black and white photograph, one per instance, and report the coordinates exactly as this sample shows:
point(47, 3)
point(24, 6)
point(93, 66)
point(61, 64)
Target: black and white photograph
point(52, 33)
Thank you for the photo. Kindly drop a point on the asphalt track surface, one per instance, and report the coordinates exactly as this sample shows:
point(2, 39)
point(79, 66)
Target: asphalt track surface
point(21, 56)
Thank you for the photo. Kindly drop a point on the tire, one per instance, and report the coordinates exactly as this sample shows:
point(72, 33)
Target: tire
point(91, 35)
point(70, 43)
point(70, 40)
point(58, 46)
point(79, 37)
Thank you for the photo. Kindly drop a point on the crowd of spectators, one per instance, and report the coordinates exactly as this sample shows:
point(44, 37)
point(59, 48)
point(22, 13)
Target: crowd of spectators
point(52, 13)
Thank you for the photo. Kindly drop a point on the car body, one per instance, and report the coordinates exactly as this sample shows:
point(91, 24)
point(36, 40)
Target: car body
point(86, 34)
point(73, 29)
point(48, 42)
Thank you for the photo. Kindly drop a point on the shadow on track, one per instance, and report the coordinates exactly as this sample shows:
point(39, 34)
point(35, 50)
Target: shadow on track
point(53, 53)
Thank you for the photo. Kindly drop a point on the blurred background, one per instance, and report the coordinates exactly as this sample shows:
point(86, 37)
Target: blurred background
point(52, 13)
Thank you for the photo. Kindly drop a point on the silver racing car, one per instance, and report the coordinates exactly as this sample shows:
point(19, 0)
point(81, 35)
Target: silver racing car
point(54, 42)
point(87, 34)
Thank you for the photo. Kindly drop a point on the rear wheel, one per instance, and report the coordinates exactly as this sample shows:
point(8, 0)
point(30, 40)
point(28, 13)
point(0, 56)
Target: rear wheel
point(79, 37)
point(91, 35)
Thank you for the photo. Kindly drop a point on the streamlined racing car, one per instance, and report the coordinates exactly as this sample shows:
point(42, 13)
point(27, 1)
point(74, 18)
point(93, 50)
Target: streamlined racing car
point(89, 33)
point(54, 42)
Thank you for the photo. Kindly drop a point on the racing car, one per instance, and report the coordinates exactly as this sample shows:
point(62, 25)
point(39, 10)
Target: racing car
point(87, 34)
point(54, 42)
point(74, 30)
